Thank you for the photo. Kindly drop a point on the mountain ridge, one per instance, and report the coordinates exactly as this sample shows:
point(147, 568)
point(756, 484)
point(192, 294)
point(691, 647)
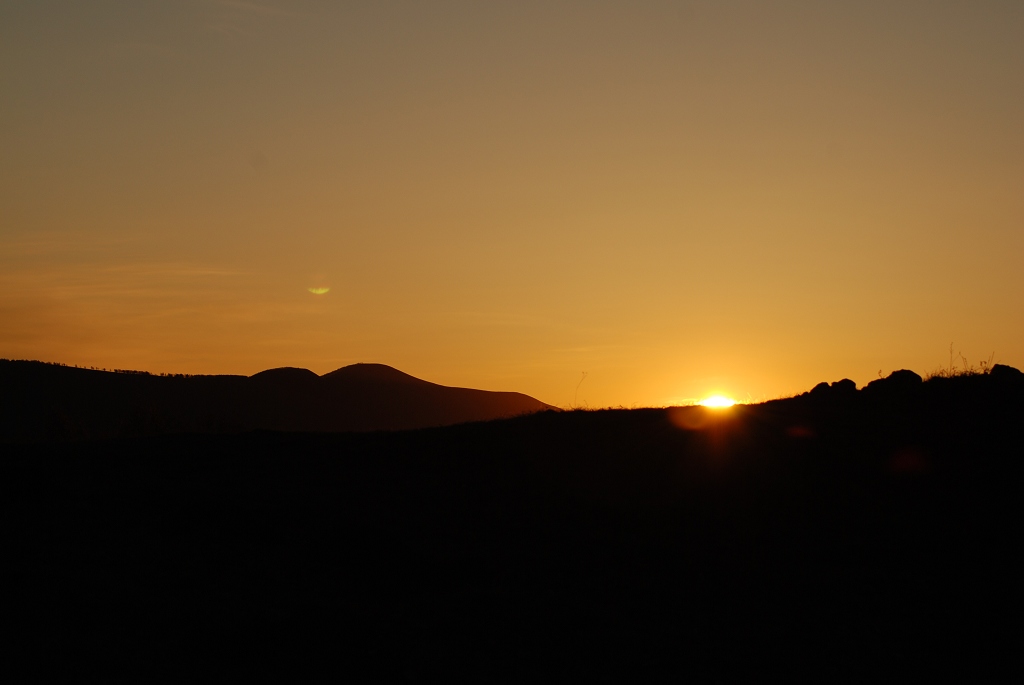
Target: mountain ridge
point(41, 402)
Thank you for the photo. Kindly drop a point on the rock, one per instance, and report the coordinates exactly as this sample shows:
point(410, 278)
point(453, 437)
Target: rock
point(844, 387)
point(838, 389)
point(1004, 372)
point(821, 390)
point(896, 382)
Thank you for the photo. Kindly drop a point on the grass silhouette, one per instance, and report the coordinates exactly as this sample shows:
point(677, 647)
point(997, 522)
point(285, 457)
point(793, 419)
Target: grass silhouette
point(965, 369)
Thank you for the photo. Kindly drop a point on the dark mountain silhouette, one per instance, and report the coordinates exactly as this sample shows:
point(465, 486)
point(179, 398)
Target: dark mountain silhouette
point(52, 402)
point(838, 534)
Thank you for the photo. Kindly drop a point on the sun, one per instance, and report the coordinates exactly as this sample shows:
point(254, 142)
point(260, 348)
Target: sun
point(717, 402)
point(319, 291)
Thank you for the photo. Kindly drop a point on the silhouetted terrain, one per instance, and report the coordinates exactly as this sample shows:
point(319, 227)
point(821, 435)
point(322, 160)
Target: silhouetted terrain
point(841, 534)
point(51, 402)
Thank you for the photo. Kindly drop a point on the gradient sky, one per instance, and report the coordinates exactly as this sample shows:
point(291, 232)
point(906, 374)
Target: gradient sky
point(677, 198)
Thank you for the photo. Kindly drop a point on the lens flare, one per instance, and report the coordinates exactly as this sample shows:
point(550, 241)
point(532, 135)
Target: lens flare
point(717, 402)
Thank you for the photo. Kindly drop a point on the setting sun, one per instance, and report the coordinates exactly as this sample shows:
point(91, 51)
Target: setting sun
point(717, 402)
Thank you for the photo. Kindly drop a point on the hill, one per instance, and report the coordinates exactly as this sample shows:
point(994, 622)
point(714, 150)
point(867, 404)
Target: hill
point(835, 535)
point(50, 402)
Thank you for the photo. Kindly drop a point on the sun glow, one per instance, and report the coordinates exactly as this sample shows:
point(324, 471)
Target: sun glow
point(717, 402)
point(319, 291)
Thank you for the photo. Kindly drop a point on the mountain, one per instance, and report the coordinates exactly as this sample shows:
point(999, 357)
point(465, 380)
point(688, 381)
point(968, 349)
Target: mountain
point(50, 402)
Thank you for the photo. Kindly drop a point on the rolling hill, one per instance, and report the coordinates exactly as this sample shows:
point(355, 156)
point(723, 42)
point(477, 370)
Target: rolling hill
point(50, 402)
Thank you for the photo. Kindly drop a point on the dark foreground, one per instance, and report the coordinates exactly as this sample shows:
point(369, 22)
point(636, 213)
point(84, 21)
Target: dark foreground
point(841, 533)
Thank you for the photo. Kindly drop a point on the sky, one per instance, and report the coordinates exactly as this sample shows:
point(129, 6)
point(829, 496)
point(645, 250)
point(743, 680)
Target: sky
point(675, 198)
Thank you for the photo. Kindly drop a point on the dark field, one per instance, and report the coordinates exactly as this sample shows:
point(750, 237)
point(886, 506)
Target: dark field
point(844, 534)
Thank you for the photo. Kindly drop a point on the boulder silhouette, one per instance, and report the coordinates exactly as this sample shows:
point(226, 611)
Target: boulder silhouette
point(897, 383)
point(821, 389)
point(1004, 372)
point(844, 387)
point(834, 391)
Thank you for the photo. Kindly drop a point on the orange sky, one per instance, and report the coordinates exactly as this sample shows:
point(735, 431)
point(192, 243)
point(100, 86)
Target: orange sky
point(677, 198)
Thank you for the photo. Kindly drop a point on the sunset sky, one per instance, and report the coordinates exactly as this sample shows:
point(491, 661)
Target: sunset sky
point(677, 198)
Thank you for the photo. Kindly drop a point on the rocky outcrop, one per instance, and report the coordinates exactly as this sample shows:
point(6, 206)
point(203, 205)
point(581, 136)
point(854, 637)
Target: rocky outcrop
point(899, 382)
point(1006, 373)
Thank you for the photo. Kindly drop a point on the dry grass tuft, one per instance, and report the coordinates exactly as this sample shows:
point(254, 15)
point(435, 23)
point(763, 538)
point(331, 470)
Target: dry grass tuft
point(965, 368)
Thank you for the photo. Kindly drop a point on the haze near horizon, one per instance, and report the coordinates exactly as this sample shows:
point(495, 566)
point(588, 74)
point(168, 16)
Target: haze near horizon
point(678, 198)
